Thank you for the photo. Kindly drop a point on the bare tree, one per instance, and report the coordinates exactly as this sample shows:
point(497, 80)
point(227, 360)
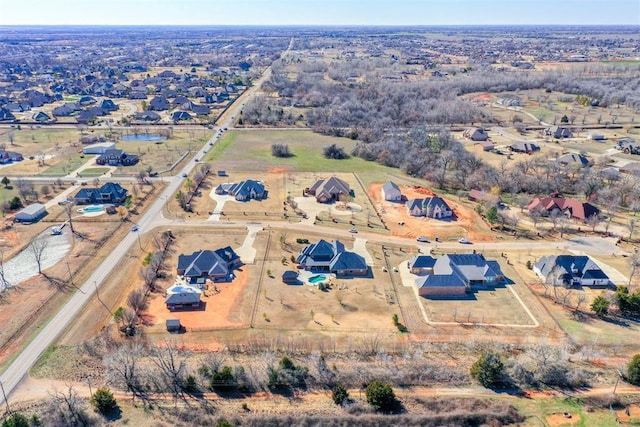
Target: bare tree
point(171, 363)
point(148, 275)
point(65, 408)
point(45, 190)
point(137, 300)
point(37, 248)
point(68, 208)
point(631, 225)
point(634, 264)
point(122, 367)
point(593, 221)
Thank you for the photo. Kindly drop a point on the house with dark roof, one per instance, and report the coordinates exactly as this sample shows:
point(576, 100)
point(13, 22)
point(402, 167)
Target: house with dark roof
point(572, 208)
point(571, 159)
point(559, 132)
point(203, 265)
point(329, 190)
point(180, 115)
point(147, 116)
point(290, 277)
point(570, 270)
point(159, 103)
point(244, 190)
point(117, 158)
point(476, 134)
point(332, 257)
point(6, 115)
point(524, 147)
point(137, 94)
point(10, 157)
point(431, 207)
point(109, 105)
point(66, 110)
point(421, 264)
point(87, 100)
point(110, 192)
point(457, 274)
point(181, 295)
point(200, 110)
point(391, 192)
point(41, 117)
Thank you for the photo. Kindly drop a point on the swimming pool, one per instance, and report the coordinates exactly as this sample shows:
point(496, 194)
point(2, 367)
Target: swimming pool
point(93, 208)
point(317, 278)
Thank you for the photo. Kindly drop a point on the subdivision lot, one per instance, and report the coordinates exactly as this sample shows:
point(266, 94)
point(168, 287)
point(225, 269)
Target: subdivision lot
point(250, 150)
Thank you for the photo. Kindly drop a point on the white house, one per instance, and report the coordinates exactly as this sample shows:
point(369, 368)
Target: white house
point(391, 192)
point(570, 270)
point(31, 213)
point(99, 148)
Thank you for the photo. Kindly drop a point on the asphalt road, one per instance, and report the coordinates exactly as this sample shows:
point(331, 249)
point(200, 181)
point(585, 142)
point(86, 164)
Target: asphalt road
point(50, 332)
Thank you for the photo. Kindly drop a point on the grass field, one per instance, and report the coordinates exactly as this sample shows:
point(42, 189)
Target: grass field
point(251, 151)
point(91, 172)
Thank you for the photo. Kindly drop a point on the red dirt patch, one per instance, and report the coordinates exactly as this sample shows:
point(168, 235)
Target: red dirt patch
point(217, 307)
point(628, 415)
point(557, 420)
point(467, 224)
point(277, 170)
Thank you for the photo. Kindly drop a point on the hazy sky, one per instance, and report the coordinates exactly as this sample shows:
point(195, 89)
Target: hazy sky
point(318, 12)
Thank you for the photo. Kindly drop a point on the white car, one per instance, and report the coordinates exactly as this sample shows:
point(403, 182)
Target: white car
point(422, 239)
point(135, 228)
point(465, 241)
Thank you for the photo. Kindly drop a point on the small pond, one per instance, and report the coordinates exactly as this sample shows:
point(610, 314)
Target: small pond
point(143, 137)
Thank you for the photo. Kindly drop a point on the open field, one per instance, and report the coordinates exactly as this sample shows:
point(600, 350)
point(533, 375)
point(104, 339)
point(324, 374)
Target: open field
point(250, 150)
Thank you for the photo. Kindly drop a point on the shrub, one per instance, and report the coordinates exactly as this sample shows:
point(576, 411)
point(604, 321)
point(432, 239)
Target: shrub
point(334, 152)
point(600, 306)
point(488, 369)
point(633, 370)
point(529, 265)
point(380, 395)
point(339, 394)
point(190, 385)
point(103, 401)
point(16, 420)
point(224, 423)
point(223, 379)
point(280, 150)
point(15, 203)
point(287, 375)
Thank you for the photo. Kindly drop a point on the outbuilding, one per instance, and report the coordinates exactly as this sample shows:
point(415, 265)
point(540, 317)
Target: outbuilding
point(31, 213)
point(99, 148)
point(173, 325)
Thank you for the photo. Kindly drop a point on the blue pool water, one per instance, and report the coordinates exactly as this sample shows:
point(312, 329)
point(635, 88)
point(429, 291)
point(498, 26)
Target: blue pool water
point(93, 208)
point(317, 278)
point(143, 137)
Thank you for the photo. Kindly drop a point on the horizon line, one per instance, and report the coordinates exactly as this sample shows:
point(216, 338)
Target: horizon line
point(320, 25)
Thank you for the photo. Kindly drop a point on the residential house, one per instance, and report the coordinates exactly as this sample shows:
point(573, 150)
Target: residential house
point(137, 94)
point(182, 296)
point(159, 103)
point(31, 213)
point(244, 190)
point(41, 117)
point(200, 110)
point(596, 137)
point(559, 132)
point(110, 192)
point(572, 208)
point(147, 116)
point(6, 115)
point(570, 270)
point(109, 105)
point(431, 207)
point(204, 265)
point(86, 100)
point(66, 110)
point(571, 159)
point(524, 147)
point(10, 157)
point(180, 115)
point(329, 190)
point(391, 192)
point(457, 274)
point(476, 134)
point(486, 145)
point(628, 146)
point(117, 158)
point(332, 257)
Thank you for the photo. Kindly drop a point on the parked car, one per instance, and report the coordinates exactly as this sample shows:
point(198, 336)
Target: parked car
point(353, 230)
point(184, 175)
point(465, 241)
point(135, 228)
point(422, 239)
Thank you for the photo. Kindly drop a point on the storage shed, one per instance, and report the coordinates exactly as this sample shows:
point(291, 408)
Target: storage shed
point(31, 213)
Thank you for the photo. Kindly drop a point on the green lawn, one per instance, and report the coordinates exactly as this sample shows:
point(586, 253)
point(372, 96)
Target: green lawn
point(91, 172)
point(537, 411)
point(251, 151)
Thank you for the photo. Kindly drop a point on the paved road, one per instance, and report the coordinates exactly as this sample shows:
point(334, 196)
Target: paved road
point(47, 336)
